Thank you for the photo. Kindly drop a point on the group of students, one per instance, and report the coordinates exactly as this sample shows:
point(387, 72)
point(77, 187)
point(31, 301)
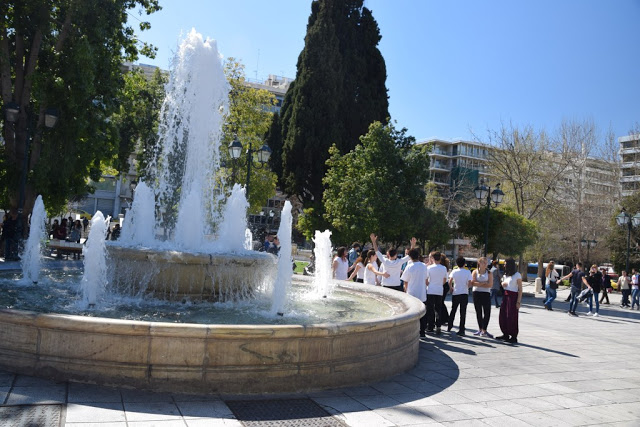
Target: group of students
point(428, 279)
point(630, 286)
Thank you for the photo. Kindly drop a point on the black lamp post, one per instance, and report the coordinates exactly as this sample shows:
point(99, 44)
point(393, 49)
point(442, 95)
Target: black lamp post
point(485, 195)
point(12, 112)
point(235, 151)
point(625, 220)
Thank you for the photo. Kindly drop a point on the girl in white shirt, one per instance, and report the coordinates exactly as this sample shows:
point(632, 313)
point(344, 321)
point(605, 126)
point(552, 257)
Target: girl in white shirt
point(552, 277)
point(461, 281)
point(370, 270)
point(340, 265)
point(512, 284)
point(358, 270)
point(482, 282)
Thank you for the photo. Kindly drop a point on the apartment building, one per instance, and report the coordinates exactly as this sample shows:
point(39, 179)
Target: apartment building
point(630, 164)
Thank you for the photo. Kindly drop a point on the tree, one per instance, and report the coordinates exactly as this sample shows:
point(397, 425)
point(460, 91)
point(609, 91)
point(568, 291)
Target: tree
point(377, 187)
point(65, 54)
point(432, 229)
point(249, 120)
point(509, 232)
point(339, 91)
point(617, 238)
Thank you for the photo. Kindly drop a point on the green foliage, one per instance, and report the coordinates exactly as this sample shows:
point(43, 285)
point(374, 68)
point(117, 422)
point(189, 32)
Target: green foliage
point(617, 238)
point(249, 120)
point(310, 221)
point(339, 91)
point(64, 54)
point(377, 187)
point(432, 229)
point(509, 232)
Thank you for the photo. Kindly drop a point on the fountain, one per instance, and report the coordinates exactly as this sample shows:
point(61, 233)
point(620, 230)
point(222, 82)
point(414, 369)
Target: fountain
point(208, 268)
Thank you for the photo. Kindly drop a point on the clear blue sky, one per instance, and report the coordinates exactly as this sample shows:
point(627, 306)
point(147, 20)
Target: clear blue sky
point(452, 66)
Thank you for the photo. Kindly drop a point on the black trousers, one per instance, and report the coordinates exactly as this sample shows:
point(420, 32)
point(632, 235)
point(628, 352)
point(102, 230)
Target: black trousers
point(605, 294)
point(462, 301)
point(397, 288)
point(423, 321)
point(482, 304)
point(434, 303)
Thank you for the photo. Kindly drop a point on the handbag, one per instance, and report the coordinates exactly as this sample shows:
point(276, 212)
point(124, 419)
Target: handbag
point(553, 285)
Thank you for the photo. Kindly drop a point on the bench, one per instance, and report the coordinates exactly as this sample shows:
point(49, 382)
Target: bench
point(62, 247)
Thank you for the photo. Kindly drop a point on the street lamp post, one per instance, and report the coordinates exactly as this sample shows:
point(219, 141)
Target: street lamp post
point(264, 152)
point(12, 111)
point(485, 195)
point(624, 219)
point(588, 244)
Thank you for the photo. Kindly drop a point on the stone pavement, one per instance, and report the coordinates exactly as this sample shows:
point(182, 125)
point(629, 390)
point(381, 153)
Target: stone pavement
point(565, 371)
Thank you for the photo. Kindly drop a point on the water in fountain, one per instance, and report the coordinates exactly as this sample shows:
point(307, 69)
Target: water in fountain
point(138, 226)
point(322, 253)
point(285, 269)
point(32, 253)
point(95, 266)
point(248, 240)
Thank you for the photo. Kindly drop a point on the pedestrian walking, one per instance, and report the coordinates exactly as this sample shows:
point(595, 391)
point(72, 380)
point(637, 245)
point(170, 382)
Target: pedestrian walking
point(496, 289)
point(624, 287)
point(482, 282)
point(436, 276)
point(552, 277)
point(635, 292)
point(460, 284)
point(415, 283)
point(512, 284)
point(594, 282)
point(606, 286)
point(576, 276)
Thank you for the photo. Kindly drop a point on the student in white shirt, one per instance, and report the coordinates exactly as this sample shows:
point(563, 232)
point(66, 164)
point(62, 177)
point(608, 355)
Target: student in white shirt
point(415, 282)
point(340, 265)
point(391, 264)
point(436, 276)
point(512, 284)
point(461, 282)
point(482, 281)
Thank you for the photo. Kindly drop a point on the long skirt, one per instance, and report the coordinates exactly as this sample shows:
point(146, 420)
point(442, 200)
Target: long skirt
point(509, 314)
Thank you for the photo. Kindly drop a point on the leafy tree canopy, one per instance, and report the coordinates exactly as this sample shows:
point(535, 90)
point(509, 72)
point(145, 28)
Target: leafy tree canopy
point(509, 232)
point(377, 187)
point(67, 55)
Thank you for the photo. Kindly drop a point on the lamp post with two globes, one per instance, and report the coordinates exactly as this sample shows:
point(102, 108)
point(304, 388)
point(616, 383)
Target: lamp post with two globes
point(485, 195)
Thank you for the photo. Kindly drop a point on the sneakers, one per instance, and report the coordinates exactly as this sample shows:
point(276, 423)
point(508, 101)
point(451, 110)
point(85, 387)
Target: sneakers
point(460, 333)
point(477, 333)
point(589, 313)
point(512, 340)
point(438, 330)
point(503, 338)
point(486, 334)
point(596, 315)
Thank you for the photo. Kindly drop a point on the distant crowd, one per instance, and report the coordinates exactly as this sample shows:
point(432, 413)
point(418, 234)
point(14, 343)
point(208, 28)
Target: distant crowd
point(429, 278)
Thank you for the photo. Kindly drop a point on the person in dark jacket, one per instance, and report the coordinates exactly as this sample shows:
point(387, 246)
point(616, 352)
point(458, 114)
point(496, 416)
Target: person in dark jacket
point(594, 279)
point(606, 284)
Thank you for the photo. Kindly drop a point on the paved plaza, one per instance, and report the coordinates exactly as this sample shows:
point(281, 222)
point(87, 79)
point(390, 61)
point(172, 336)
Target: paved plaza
point(565, 371)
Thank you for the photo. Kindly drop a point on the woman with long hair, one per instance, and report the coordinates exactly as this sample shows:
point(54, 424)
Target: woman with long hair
point(482, 281)
point(371, 268)
point(340, 265)
point(358, 268)
point(512, 284)
point(552, 284)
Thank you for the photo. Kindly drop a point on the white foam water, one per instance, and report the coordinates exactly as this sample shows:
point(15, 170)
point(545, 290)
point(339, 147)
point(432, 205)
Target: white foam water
point(285, 267)
point(32, 255)
point(322, 252)
point(139, 222)
point(94, 279)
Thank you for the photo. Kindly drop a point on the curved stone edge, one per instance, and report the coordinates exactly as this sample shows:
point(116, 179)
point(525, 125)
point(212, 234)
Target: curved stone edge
point(233, 359)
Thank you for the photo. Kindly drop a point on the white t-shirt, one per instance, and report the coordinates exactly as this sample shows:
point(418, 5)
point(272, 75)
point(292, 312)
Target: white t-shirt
point(512, 282)
point(482, 278)
point(415, 276)
point(342, 269)
point(461, 278)
point(360, 272)
point(369, 276)
point(436, 273)
point(553, 276)
point(393, 267)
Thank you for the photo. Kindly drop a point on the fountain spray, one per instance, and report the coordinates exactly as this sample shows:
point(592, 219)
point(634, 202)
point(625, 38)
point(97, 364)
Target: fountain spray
point(31, 257)
point(322, 252)
point(285, 267)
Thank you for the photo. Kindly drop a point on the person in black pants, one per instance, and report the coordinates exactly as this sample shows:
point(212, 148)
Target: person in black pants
point(444, 313)
point(482, 281)
point(460, 283)
point(606, 284)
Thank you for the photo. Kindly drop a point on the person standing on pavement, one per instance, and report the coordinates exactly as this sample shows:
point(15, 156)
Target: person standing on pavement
point(635, 292)
point(358, 269)
point(606, 285)
point(482, 282)
point(436, 276)
point(497, 286)
point(594, 281)
point(623, 286)
point(415, 283)
point(371, 268)
point(552, 285)
point(576, 276)
point(512, 284)
point(391, 264)
point(460, 284)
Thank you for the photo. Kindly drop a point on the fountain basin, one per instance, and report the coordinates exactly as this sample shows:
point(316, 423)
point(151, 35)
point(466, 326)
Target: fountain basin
point(175, 275)
point(234, 359)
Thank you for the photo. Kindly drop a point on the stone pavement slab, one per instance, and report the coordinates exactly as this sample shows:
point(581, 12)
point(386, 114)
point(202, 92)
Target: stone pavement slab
point(565, 370)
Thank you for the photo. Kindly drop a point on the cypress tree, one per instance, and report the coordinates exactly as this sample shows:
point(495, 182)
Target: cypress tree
point(339, 91)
